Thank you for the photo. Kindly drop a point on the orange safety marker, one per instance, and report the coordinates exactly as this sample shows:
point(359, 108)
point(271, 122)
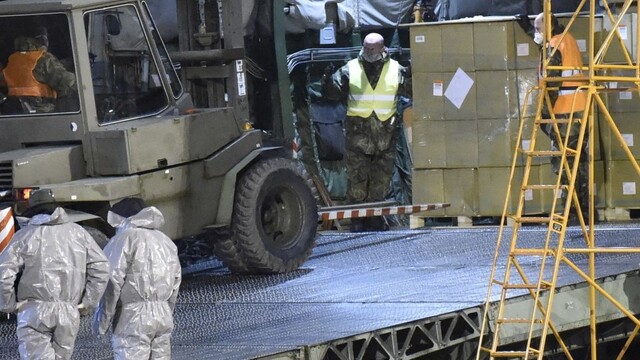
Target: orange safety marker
point(7, 227)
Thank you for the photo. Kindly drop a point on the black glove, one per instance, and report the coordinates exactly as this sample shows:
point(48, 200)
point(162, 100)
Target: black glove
point(525, 23)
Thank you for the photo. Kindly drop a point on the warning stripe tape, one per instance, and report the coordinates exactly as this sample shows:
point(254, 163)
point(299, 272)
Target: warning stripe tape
point(7, 228)
point(379, 211)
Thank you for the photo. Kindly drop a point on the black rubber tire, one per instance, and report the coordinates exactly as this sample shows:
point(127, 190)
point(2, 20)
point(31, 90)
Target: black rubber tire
point(227, 251)
point(100, 238)
point(275, 216)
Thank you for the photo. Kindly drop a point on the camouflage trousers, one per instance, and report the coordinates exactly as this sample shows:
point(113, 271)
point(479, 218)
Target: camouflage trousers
point(582, 178)
point(370, 157)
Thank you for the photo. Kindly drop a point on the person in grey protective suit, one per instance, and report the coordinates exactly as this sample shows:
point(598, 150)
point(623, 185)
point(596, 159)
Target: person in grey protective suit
point(143, 286)
point(64, 273)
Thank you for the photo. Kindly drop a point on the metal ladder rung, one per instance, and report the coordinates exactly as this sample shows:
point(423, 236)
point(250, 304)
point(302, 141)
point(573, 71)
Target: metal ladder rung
point(533, 252)
point(543, 153)
point(513, 354)
point(551, 121)
point(545, 187)
point(543, 285)
point(532, 220)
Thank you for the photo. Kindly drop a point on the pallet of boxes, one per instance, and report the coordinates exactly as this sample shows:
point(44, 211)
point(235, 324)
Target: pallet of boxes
point(473, 84)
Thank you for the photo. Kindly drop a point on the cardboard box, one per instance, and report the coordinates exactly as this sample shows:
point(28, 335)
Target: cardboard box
point(498, 97)
point(441, 46)
point(428, 187)
point(492, 190)
point(623, 95)
point(496, 141)
point(461, 191)
point(493, 43)
point(459, 187)
point(426, 48)
point(628, 33)
point(622, 185)
point(527, 52)
point(429, 150)
point(428, 96)
point(627, 124)
point(434, 94)
point(445, 144)
point(458, 48)
point(527, 81)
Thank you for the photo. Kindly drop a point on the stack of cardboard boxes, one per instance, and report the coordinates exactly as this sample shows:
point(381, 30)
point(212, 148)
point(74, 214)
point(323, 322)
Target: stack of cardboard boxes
point(472, 83)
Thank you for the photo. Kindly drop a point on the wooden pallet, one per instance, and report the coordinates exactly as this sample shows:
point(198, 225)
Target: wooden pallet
point(618, 214)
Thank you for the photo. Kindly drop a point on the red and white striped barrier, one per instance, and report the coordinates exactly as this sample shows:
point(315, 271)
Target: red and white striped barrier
point(7, 227)
point(378, 211)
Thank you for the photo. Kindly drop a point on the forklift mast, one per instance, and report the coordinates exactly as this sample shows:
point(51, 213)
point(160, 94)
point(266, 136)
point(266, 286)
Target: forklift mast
point(216, 39)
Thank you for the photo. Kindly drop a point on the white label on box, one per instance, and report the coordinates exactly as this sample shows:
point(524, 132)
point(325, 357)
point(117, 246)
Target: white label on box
point(626, 95)
point(526, 144)
point(613, 85)
point(628, 188)
point(528, 195)
point(420, 38)
point(582, 45)
point(559, 194)
point(623, 32)
point(523, 49)
point(628, 139)
point(437, 88)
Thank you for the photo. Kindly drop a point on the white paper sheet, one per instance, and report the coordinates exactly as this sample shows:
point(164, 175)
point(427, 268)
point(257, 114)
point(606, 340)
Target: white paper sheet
point(459, 88)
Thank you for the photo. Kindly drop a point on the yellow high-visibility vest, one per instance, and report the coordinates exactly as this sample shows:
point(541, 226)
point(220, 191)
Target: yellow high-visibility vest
point(364, 99)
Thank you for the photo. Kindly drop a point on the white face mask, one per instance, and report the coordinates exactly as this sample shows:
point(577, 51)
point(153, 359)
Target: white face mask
point(537, 38)
point(370, 57)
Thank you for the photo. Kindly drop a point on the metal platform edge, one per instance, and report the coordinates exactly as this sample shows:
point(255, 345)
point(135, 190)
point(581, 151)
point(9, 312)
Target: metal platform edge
point(424, 336)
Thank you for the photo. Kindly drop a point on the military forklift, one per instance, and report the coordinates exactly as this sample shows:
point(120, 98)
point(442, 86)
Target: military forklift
point(132, 131)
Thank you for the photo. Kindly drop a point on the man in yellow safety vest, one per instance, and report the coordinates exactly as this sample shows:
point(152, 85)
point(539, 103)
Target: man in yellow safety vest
point(370, 85)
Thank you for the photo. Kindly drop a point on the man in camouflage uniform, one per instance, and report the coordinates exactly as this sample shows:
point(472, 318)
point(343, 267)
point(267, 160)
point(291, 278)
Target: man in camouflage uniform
point(35, 78)
point(370, 85)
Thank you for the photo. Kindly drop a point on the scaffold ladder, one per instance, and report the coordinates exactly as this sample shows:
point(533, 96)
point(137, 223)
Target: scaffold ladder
point(533, 266)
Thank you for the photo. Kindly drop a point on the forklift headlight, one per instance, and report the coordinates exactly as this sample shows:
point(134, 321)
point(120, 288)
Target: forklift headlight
point(23, 194)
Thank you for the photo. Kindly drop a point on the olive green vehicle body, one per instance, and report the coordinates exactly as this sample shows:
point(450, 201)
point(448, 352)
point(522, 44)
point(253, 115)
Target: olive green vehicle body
point(184, 161)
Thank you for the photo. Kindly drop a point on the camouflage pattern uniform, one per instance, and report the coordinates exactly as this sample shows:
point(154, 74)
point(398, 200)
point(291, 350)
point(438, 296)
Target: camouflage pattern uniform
point(370, 143)
point(49, 70)
point(582, 179)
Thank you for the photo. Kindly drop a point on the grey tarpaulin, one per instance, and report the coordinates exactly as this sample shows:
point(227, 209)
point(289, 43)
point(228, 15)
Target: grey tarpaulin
point(143, 286)
point(62, 270)
point(457, 9)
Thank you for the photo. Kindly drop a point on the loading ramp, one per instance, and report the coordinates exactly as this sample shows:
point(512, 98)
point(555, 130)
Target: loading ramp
point(355, 287)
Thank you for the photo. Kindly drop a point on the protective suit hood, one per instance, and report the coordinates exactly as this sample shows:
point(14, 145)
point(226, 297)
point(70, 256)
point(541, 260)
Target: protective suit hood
point(148, 218)
point(59, 216)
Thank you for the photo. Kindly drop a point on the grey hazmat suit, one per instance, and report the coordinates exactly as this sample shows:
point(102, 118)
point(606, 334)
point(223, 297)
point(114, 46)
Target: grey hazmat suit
point(143, 287)
point(63, 269)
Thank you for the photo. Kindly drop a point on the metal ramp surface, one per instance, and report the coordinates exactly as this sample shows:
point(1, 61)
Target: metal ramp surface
point(353, 284)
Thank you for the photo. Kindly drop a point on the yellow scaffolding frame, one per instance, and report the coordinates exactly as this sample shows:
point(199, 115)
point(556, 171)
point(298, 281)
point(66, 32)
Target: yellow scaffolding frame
point(595, 77)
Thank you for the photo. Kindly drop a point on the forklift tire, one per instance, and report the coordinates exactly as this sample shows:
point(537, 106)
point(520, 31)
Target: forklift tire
point(275, 216)
point(227, 251)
